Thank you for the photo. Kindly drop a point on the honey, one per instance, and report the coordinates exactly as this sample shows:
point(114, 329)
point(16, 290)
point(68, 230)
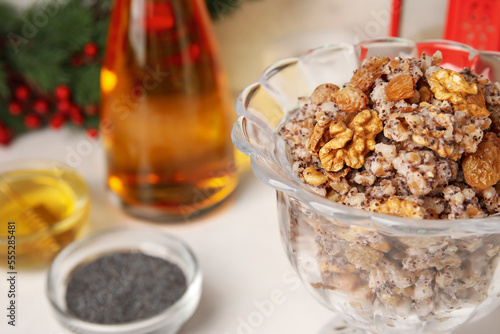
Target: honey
point(48, 207)
point(166, 117)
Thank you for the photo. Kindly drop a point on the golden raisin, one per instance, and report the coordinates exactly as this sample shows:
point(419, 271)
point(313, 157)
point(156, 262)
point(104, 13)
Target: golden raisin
point(400, 88)
point(324, 93)
point(365, 76)
point(482, 168)
point(351, 99)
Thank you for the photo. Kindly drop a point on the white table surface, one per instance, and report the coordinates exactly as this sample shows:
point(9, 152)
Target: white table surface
point(237, 245)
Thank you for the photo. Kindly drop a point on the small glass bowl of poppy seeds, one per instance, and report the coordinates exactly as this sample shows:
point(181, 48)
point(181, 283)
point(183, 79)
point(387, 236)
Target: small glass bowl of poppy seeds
point(125, 280)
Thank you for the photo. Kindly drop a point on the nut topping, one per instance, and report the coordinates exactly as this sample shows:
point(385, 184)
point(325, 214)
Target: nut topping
point(350, 144)
point(314, 176)
point(448, 85)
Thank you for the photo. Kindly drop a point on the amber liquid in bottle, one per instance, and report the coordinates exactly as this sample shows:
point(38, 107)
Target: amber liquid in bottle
point(166, 117)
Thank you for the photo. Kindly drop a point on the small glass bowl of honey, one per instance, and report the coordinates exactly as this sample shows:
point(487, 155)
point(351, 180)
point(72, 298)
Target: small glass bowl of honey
point(44, 205)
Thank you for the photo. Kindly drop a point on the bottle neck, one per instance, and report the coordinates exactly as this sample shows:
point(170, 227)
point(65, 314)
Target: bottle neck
point(171, 36)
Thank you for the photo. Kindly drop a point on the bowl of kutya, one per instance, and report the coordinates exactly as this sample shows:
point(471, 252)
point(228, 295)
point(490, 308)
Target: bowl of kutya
point(385, 156)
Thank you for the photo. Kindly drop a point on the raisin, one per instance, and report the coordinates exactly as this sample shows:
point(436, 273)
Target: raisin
point(351, 99)
point(400, 88)
point(365, 76)
point(482, 168)
point(324, 93)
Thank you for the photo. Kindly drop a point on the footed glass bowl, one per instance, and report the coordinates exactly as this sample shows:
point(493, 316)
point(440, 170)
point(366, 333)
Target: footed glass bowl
point(456, 277)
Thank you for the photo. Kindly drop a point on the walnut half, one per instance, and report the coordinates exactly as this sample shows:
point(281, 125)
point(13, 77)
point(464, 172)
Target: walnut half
point(350, 143)
point(449, 85)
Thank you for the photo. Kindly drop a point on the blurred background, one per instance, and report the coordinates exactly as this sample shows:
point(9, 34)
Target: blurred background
point(254, 33)
point(263, 31)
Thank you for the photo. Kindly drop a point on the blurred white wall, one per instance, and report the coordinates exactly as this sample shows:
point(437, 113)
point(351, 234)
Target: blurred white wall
point(20, 3)
point(263, 31)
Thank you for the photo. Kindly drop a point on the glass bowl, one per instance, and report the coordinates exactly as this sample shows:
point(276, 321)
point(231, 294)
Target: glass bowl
point(125, 239)
point(46, 205)
point(318, 233)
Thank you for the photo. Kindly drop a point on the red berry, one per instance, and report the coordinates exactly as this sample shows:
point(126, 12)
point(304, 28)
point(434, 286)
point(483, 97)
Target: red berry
point(57, 121)
point(5, 136)
point(15, 108)
point(41, 107)
point(91, 110)
point(77, 61)
point(77, 118)
point(73, 109)
point(32, 121)
point(64, 106)
point(62, 92)
point(22, 93)
point(93, 133)
point(90, 49)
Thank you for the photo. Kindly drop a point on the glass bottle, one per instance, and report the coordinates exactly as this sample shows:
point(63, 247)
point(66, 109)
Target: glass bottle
point(166, 117)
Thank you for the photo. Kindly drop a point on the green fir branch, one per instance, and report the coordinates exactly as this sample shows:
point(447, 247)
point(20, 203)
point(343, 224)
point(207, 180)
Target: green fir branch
point(8, 18)
point(100, 34)
point(42, 68)
point(221, 8)
point(4, 85)
point(67, 27)
point(46, 38)
point(14, 123)
point(86, 85)
point(92, 122)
